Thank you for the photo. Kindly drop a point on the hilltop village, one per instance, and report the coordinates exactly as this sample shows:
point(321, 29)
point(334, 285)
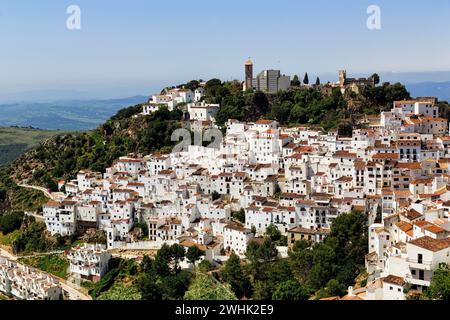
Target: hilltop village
point(260, 175)
point(297, 179)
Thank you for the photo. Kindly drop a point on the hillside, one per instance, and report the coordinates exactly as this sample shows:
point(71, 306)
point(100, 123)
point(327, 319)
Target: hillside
point(66, 154)
point(63, 115)
point(15, 141)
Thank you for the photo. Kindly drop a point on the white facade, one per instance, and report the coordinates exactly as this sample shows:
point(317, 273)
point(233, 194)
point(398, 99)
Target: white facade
point(236, 238)
point(89, 261)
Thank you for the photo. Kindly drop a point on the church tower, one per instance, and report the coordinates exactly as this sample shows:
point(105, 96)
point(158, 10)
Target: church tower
point(248, 75)
point(342, 77)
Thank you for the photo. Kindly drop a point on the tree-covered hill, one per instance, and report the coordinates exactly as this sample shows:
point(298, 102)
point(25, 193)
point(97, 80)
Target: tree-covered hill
point(316, 105)
point(66, 154)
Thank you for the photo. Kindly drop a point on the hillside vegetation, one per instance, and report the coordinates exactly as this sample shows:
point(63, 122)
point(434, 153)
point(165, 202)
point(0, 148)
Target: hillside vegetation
point(56, 264)
point(66, 154)
point(15, 198)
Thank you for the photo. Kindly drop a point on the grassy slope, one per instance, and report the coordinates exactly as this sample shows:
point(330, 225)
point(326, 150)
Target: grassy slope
point(53, 264)
point(16, 141)
point(7, 240)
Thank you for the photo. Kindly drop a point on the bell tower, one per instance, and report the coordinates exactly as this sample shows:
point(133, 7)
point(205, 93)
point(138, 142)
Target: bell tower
point(248, 74)
point(342, 77)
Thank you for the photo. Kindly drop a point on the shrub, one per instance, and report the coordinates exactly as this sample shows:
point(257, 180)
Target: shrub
point(10, 222)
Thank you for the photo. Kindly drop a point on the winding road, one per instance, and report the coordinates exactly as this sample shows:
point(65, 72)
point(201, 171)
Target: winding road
point(38, 217)
point(41, 189)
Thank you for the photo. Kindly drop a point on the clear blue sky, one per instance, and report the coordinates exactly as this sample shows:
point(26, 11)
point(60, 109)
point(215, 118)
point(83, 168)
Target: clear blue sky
point(138, 44)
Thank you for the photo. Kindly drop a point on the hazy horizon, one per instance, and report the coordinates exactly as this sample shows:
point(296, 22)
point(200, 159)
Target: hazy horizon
point(104, 92)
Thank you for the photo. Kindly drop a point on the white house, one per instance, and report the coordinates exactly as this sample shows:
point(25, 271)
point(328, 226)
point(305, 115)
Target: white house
point(89, 261)
point(235, 238)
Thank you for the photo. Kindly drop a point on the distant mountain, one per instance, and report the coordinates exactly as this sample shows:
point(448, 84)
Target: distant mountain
point(433, 89)
point(71, 115)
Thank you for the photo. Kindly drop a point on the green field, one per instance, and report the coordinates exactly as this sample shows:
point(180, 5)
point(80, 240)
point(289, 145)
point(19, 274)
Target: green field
point(15, 141)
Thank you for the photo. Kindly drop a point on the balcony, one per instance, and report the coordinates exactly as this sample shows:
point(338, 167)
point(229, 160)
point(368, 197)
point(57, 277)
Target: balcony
point(418, 282)
point(416, 264)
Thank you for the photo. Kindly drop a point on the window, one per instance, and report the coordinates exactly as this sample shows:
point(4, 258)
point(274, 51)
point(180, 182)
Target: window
point(421, 275)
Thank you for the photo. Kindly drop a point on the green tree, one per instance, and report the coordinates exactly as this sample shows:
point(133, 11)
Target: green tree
point(376, 78)
point(261, 290)
point(144, 228)
point(146, 264)
point(239, 215)
point(281, 112)
point(192, 85)
point(295, 81)
point(264, 252)
point(332, 289)
point(290, 290)
point(177, 254)
point(257, 106)
point(306, 79)
point(205, 266)
point(213, 83)
point(10, 222)
point(273, 232)
point(149, 288)
point(175, 285)
point(301, 260)
point(349, 235)
point(324, 266)
point(440, 283)
point(193, 254)
point(268, 250)
point(161, 265)
point(317, 81)
point(215, 195)
point(259, 255)
point(233, 274)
